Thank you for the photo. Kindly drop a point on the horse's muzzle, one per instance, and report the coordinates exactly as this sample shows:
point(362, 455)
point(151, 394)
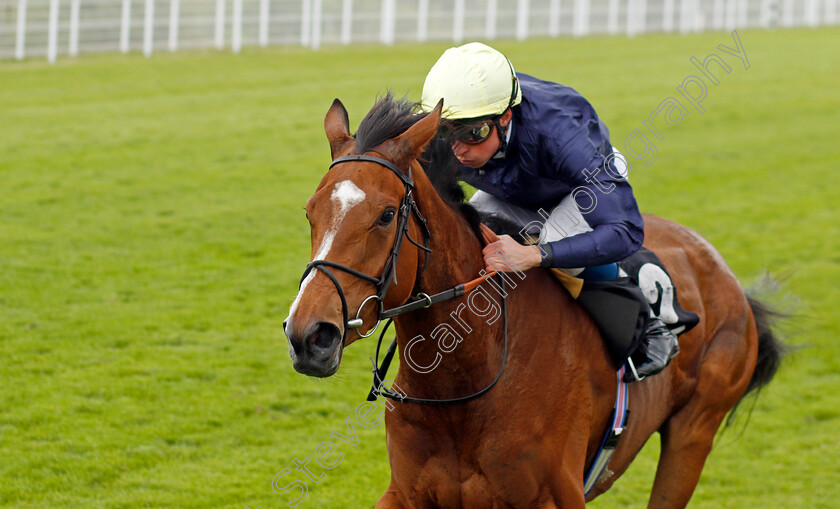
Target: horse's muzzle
point(316, 352)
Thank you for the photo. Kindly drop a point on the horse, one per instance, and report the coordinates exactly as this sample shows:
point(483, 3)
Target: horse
point(525, 382)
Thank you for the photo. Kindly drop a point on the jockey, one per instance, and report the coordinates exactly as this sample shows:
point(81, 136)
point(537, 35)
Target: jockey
point(541, 159)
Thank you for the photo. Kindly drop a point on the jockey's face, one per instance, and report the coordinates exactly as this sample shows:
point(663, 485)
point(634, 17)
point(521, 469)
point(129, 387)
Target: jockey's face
point(476, 155)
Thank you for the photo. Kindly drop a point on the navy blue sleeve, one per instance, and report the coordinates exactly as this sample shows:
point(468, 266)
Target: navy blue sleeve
point(604, 198)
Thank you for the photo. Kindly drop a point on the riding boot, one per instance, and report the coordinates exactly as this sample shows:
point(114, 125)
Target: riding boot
point(658, 347)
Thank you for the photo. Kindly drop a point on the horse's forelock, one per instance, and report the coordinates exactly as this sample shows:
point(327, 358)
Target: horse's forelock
point(387, 119)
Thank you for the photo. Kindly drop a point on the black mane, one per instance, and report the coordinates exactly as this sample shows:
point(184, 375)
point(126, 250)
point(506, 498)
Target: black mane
point(441, 166)
point(387, 119)
point(391, 117)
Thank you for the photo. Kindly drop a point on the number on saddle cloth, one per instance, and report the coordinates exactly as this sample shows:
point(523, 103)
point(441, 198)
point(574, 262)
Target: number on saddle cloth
point(646, 270)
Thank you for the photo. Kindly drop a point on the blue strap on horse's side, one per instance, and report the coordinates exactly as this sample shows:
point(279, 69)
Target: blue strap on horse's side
point(610, 441)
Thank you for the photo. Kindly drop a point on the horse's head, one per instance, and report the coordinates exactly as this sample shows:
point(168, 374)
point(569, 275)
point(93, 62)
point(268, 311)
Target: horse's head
point(359, 216)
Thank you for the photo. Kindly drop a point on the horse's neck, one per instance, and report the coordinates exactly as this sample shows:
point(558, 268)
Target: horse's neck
point(456, 255)
point(429, 334)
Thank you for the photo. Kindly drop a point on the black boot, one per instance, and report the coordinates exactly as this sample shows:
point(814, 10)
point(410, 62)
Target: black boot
point(659, 347)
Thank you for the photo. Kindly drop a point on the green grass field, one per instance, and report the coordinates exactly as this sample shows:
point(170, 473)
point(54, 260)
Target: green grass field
point(152, 237)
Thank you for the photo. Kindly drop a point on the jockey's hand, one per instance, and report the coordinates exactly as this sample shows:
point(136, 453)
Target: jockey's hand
point(516, 256)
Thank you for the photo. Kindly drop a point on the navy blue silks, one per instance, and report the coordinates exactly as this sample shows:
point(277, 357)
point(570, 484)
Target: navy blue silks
point(559, 146)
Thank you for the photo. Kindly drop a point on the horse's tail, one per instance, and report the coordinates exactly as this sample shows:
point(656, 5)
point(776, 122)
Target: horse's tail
point(770, 348)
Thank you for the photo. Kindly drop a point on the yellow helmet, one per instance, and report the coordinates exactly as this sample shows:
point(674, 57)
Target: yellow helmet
point(474, 80)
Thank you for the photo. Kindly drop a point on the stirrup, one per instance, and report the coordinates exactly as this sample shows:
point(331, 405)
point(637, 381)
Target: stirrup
point(633, 370)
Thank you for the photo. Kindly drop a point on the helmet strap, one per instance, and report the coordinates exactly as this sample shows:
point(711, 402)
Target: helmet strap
point(502, 132)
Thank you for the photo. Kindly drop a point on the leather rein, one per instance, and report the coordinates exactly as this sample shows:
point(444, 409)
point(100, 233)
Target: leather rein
point(389, 274)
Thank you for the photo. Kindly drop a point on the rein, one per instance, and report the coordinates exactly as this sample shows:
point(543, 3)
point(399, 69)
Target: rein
point(379, 372)
point(389, 273)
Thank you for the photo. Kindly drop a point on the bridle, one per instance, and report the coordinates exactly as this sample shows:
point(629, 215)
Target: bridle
point(389, 274)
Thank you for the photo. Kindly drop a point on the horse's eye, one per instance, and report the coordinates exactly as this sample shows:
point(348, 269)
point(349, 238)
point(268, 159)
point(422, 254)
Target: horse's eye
point(386, 217)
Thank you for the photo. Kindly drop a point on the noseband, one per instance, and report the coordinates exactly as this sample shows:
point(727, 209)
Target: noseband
point(389, 272)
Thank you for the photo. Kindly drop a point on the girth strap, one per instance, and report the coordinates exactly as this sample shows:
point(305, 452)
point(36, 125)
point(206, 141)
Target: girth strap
point(618, 422)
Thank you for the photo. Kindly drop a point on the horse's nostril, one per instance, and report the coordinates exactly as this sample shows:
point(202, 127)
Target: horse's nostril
point(325, 336)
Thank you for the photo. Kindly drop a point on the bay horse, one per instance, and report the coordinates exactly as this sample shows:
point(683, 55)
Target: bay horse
point(526, 442)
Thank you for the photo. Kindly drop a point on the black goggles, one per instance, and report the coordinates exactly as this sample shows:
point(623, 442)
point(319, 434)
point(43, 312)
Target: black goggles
point(471, 134)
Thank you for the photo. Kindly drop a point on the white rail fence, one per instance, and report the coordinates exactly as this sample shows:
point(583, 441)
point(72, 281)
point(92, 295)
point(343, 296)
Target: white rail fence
point(53, 28)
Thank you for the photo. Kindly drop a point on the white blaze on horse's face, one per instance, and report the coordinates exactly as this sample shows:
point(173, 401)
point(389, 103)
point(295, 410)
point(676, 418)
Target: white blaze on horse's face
point(346, 195)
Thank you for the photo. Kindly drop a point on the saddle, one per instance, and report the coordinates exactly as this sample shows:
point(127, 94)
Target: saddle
point(618, 306)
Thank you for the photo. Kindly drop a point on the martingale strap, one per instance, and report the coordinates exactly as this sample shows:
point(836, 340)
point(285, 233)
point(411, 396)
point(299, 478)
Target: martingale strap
point(618, 423)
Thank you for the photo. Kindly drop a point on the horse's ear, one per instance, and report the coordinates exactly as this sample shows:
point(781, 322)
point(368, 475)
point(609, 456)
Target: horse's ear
point(337, 127)
point(419, 135)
